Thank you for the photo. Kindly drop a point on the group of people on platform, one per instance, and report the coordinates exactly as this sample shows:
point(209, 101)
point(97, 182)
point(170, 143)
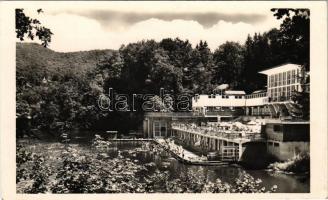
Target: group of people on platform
point(171, 146)
point(222, 129)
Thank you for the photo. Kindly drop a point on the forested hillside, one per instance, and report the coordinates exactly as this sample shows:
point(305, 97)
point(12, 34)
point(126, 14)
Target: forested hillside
point(57, 87)
point(33, 55)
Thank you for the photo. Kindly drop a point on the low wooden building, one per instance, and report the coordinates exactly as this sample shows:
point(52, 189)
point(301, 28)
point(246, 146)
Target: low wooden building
point(157, 124)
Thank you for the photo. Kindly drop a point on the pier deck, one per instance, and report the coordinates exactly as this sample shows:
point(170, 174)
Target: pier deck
point(178, 152)
point(230, 146)
point(186, 156)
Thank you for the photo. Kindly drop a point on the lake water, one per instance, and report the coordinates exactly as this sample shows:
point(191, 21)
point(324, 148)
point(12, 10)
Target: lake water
point(287, 183)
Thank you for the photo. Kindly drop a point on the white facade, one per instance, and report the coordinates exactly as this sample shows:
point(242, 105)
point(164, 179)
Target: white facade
point(256, 99)
point(228, 101)
point(218, 101)
point(281, 82)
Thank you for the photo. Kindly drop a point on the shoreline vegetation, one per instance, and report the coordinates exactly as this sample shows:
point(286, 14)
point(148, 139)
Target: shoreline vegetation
point(298, 164)
point(94, 171)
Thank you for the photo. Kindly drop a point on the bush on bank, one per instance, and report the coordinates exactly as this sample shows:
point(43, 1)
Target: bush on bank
point(92, 172)
point(298, 164)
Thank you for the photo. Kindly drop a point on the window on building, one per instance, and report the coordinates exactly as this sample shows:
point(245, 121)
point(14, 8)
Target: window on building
point(276, 144)
point(288, 77)
point(277, 80)
point(284, 78)
point(160, 129)
point(277, 128)
point(212, 119)
point(157, 129)
point(293, 77)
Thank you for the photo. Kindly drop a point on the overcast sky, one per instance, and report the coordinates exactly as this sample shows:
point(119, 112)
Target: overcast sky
point(107, 25)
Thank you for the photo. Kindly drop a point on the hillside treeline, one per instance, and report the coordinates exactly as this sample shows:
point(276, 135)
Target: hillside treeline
point(57, 87)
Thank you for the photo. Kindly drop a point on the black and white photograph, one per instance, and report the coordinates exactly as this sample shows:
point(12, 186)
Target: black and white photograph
point(163, 97)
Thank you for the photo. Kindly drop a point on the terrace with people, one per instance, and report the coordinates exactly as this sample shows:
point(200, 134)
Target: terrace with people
point(224, 130)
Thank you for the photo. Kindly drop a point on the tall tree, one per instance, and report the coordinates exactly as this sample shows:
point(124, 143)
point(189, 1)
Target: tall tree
point(31, 27)
point(202, 69)
point(295, 33)
point(180, 56)
point(295, 36)
point(302, 98)
point(229, 59)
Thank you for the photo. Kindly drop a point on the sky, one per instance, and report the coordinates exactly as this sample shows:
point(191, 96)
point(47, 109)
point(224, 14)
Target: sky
point(81, 26)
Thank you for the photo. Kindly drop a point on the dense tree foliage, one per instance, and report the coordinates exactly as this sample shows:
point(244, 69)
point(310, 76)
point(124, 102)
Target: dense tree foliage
point(26, 26)
point(69, 168)
point(51, 92)
point(295, 37)
point(295, 34)
point(229, 61)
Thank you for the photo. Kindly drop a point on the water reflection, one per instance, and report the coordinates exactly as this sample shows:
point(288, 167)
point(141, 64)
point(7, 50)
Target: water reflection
point(163, 161)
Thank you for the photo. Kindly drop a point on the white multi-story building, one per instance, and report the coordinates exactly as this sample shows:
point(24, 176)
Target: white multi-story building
point(281, 82)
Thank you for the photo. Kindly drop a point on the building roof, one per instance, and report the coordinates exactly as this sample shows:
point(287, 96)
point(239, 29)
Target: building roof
point(235, 92)
point(295, 122)
point(279, 121)
point(222, 87)
point(280, 68)
point(258, 91)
